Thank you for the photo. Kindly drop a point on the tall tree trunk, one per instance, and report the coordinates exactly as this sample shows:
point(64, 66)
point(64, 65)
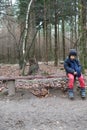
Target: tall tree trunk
point(56, 44)
point(50, 40)
point(25, 35)
point(45, 32)
point(75, 26)
point(46, 44)
point(79, 25)
point(39, 47)
point(59, 56)
point(63, 38)
point(83, 34)
point(75, 22)
point(71, 31)
point(50, 33)
point(33, 29)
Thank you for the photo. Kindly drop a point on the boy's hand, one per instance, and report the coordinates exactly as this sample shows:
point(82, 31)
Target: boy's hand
point(75, 73)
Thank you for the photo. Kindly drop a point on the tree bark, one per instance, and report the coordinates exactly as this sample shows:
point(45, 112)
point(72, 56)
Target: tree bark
point(59, 53)
point(39, 46)
point(45, 32)
point(63, 38)
point(56, 44)
point(83, 34)
point(25, 35)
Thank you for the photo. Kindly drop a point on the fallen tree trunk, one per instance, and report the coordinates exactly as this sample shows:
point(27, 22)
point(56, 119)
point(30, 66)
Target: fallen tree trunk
point(52, 82)
point(49, 82)
point(40, 86)
point(32, 77)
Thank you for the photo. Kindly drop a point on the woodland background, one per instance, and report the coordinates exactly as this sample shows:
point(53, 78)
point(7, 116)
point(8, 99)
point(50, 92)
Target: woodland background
point(42, 29)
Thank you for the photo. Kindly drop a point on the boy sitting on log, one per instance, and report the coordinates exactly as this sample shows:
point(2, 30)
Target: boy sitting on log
point(73, 70)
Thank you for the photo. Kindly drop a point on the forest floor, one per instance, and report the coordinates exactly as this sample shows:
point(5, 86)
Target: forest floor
point(24, 111)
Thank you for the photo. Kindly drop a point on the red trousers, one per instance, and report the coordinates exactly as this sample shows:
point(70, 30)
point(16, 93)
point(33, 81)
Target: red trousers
point(71, 81)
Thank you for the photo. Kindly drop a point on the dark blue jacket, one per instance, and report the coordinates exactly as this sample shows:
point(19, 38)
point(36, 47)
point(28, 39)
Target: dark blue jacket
point(72, 66)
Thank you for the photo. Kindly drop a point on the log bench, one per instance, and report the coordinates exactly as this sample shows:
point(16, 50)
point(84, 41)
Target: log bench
point(50, 81)
point(10, 81)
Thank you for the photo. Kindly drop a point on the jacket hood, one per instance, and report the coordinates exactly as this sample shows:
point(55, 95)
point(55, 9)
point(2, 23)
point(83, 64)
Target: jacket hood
point(72, 52)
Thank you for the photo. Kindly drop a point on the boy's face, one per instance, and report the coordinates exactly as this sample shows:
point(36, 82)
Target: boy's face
point(72, 57)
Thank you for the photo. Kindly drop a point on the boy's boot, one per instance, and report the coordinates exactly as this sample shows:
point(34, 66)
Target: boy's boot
point(70, 93)
point(83, 93)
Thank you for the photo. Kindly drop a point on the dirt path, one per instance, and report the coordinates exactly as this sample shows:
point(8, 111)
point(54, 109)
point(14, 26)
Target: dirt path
point(56, 112)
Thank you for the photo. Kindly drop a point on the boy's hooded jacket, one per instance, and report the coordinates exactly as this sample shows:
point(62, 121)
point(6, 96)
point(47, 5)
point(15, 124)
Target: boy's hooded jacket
point(72, 66)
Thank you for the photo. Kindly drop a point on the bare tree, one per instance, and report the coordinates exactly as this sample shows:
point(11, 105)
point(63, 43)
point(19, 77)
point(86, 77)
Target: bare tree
point(26, 34)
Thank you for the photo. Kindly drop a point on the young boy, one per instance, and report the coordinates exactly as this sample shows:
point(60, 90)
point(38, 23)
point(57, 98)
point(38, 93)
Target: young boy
point(73, 69)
